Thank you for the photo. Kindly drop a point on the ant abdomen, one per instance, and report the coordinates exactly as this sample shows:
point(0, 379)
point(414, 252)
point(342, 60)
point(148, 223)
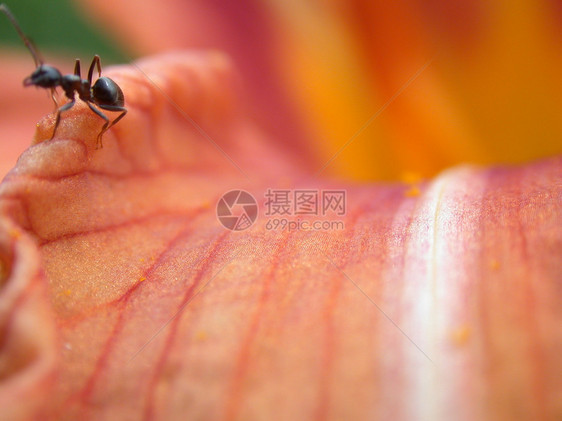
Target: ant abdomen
point(106, 92)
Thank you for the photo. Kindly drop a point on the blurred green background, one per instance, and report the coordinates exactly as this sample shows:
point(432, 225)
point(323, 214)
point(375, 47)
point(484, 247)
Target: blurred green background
point(59, 28)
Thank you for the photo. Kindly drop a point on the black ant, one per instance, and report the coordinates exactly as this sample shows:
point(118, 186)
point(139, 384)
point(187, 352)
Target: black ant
point(105, 93)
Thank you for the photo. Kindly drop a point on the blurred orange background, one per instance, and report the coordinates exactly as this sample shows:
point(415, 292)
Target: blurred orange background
point(374, 90)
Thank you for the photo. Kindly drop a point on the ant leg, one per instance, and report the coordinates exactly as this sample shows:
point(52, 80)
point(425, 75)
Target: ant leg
point(114, 108)
point(77, 68)
point(107, 124)
point(99, 144)
point(95, 62)
point(60, 110)
point(54, 98)
point(119, 117)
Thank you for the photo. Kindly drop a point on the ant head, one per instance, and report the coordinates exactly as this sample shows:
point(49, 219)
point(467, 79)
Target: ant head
point(44, 76)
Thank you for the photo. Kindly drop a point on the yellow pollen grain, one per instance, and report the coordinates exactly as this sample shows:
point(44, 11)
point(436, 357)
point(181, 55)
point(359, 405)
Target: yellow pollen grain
point(410, 177)
point(413, 191)
point(494, 264)
point(201, 335)
point(461, 335)
point(142, 279)
point(14, 233)
point(67, 292)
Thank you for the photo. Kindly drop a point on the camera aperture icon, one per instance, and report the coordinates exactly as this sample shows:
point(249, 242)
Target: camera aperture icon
point(237, 210)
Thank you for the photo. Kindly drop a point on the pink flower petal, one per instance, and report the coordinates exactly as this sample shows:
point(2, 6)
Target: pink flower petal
point(437, 300)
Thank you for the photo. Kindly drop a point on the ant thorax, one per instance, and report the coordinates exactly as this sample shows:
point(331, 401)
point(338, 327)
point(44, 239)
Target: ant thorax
point(74, 83)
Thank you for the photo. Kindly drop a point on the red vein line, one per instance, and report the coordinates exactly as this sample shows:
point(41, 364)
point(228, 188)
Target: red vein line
point(88, 388)
point(134, 174)
point(537, 357)
point(176, 314)
point(241, 367)
point(324, 385)
point(378, 307)
point(174, 321)
point(129, 223)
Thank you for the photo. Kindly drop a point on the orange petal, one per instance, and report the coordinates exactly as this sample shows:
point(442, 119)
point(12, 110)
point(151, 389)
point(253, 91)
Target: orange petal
point(436, 305)
point(390, 87)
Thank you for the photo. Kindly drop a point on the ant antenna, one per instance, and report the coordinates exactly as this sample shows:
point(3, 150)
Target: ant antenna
point(36, 56)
